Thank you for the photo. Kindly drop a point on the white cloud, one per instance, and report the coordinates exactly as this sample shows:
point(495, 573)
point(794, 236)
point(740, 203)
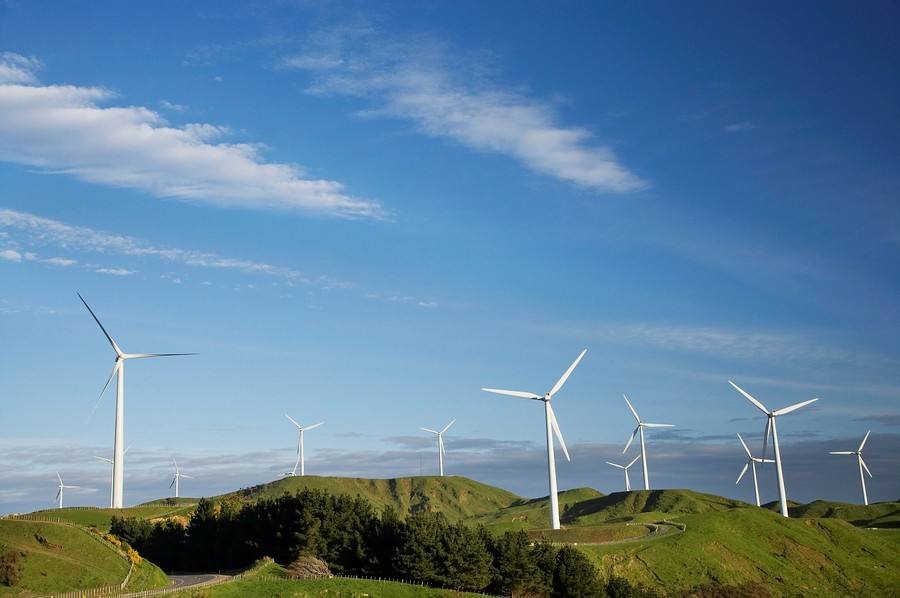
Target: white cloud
point(10, 255)
point(420, 83)
point(60, 261)
point(114, 271)
point(739, 127)
point(64, 129)
point(167, 105)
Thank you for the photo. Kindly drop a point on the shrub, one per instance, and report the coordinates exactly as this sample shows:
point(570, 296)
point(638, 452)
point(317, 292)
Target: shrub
point(11, 564)
point(575, 576)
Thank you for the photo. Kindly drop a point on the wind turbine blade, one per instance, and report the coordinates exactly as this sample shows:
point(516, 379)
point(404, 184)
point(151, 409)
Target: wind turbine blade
point(108, 337)
point(441, 445)
point(794, 407)
point(747, 396)
point(743, 471)
point(744, 444)
point(104, 459)
point(863, 463)
point(58, 493)
point(60, 478)
point(76, 487)
point(112, 373)
point(430, 430)
point(146, 355)
point(562, 443)
point(633, 412)
point(564, 377)
point(630, 440)
point(633, 461)
point(173, 482)
point(658, 425)
point(513, 393)
point(447, 427)
point(841, 453)
point(615, 465)
point(181, 475)
point(292, 421)
point(312, 426)
point(766, 435)
point(863, 443)
point(176, 463)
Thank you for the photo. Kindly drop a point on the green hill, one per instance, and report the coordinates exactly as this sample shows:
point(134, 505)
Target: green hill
point(60, 557)
point(533, 514)
point(880, 514)
point(100, 518)
point(456, 497)
point(627, 505)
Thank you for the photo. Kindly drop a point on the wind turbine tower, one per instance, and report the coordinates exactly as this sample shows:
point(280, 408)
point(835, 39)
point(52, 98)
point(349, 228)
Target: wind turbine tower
point(300, 458)
point(552, 428)
point(118, 481)
point(751, 463)
point(625, 469)
point(773, 430)
point(440, 439)
point(178, 476)
point(640, 429)
point(862, 465)
point(59, 491)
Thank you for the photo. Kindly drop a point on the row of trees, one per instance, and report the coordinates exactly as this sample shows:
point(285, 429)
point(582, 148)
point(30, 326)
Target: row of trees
point(348, 534)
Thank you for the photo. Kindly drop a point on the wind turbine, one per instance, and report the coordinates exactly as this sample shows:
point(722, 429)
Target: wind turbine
point(552, 428)
point(751, 463)
point(60, 488)
point(770, 428)
point(640, 428)
point(110, 462)
point(625, 469)
point(178, 475)
point(300, 458)
point(440, 439)
point(862, 465)
point(118, 370)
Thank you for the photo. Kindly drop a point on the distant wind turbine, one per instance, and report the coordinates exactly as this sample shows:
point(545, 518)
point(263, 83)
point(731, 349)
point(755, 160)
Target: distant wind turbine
point(771, 429)
point(110, 462)
point(640, 429)
point(119, 371)
point(59, 491)
point(178, 475)
point(300, 458)
point(625, 469)
point(440, 439)
point(862, 465)
point(751, 463)
point(552, 428)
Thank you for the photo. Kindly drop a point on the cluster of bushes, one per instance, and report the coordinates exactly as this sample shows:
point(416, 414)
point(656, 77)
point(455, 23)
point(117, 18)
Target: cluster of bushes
point(348, 534)
point(11, 564)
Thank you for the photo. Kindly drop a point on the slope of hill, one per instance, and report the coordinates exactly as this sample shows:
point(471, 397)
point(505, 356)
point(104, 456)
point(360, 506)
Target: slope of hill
point(100, 518)
point(626, 505)
point(534, 514)
point(821, 557)
point(454, 496)
point(61, 558)
point(880, 514)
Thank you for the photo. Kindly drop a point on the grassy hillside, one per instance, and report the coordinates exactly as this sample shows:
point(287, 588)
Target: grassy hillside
point(882, 514)
point(321, 587)
point(822, 557)
point(100, 518)
point(456, 497)
point(627, 505)
point(532, 514)
point(61, 558)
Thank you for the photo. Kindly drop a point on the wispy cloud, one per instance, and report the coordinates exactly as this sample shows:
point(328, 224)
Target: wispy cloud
point(114, 271)
point(64, 129)
point(425, 83)
point(10, 255)
point(739, 127)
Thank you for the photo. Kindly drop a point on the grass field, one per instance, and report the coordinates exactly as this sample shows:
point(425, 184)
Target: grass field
point(332, 588)
point(534, 513)
point(100, 518)
point(61, 557)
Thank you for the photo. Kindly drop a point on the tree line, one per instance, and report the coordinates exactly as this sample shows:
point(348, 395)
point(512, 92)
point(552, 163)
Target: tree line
point(353, 538)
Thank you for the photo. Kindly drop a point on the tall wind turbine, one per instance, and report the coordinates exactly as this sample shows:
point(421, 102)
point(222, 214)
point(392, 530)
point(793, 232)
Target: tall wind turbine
point(111, 485)
point(751, 463)
point(771, 429)
point(625, 469)
point(60, 488)
point(440, 439)
point(178, 475)
point(640, 429)
point(119, 371)
point(552, 428)
point(862, 465)
point(300, 458)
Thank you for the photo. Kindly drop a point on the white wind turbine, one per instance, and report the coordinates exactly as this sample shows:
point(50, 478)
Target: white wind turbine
point(110, 462)
point(178, 475)
point(625, 469)
point(862, 465)
point(552, 428)
point(440, 439)
point(640, 429)
point(59, 491)
point(119, 441)
point(300, 458)
point(771, 429)
point(751, 463)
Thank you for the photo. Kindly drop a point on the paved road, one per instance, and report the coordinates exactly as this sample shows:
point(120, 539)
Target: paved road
point(186, 581)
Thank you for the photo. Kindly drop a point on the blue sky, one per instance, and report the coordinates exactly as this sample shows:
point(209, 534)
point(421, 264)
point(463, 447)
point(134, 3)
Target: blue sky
point(363, 215)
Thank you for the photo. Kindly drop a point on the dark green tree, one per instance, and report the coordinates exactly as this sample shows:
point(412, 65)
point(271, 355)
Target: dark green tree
point(575, 576)
point(515, 567)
